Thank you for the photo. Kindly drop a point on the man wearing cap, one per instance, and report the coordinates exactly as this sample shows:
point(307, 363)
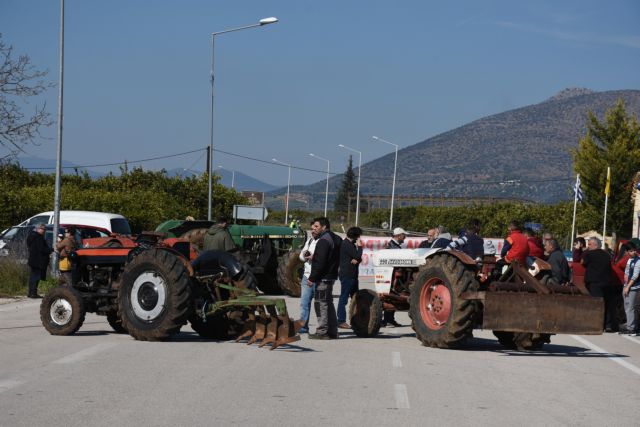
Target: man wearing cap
point(388, 316)
point(38, 259)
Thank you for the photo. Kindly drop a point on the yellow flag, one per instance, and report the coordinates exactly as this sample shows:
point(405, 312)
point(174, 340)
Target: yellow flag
point(608, 186)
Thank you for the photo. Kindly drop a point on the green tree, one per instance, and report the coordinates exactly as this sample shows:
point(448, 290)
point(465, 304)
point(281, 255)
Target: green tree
point(613, 143)
point(347, 190)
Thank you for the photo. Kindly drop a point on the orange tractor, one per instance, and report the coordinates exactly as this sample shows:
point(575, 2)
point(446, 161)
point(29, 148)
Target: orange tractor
point(150, 287)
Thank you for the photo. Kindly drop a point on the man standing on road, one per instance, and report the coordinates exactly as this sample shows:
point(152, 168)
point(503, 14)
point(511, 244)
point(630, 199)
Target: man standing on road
point(389, 316)
point(350, 259)
point(306, 291)
point(218, 237)
point(324, 272)
point(38, 259)
point(631, 290)
point(597, 264)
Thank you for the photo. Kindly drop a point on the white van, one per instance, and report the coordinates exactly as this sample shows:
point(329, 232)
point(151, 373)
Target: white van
point(112, 222)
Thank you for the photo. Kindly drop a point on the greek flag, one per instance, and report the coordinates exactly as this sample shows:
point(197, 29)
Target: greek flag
point(577, 190)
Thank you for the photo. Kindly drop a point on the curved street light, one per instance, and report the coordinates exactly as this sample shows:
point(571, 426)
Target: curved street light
point(393, 187)
point(326, 191)
point(359, 173)
point(263, 21)
point(286, 205)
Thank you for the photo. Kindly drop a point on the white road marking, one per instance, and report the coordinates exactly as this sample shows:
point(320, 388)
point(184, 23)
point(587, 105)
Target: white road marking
point(83, 354)
point(616, 359)
point(9, 384)
point(630, 338)
point(402, 398)
point(395, 359)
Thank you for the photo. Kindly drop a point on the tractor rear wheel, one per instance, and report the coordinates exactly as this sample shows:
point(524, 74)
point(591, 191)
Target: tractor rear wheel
point(154, 299)
point(115, 322)
point(365, 313)
point(439, 316)
point(62, 311)
point(290, 270)
point(522, 340)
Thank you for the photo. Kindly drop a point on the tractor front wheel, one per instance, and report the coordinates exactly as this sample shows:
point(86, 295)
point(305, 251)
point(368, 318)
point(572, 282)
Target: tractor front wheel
point(154, 299)
point(365, 313)
point(62, 311)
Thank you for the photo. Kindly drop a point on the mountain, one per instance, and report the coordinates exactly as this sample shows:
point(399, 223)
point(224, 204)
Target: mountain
point(522, 153)
point(240, 180)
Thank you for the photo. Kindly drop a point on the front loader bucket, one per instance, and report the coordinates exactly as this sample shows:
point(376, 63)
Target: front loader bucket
point(543, 313)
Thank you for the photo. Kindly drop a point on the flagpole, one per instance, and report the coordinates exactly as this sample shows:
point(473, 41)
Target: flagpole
point(575, 203)
point(606, 200)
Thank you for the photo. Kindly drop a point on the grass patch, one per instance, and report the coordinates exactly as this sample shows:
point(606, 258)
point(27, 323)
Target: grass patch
point(14, 279)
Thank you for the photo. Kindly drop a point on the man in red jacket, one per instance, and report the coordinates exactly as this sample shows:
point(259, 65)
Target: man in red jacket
point(516, 247)
point(535, 245)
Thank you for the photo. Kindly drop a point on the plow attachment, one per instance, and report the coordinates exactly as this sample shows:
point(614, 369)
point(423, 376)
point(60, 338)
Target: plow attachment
point(267, 320)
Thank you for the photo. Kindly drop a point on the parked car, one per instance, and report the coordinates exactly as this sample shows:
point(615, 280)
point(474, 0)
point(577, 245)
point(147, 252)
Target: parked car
point(13, 242)
point(113, 223)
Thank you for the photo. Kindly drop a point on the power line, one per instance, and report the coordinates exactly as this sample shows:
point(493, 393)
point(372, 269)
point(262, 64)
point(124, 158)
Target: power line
point(125, 161)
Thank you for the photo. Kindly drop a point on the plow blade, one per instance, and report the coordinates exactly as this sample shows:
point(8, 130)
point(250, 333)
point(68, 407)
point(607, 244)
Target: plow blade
point(543, 313)
point(274, 330)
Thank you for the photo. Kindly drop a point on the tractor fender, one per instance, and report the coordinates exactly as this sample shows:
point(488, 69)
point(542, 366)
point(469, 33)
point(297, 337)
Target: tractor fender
point(187, 265)
point(464, 258)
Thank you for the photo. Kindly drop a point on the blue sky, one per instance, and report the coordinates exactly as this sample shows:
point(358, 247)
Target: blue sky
point(330, 72)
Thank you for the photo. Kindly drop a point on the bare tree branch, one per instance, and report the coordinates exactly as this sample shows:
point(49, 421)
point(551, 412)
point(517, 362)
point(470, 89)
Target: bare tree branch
point(19, 81)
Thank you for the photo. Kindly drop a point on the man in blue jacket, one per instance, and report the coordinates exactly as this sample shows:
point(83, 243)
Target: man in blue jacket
point(324, 272)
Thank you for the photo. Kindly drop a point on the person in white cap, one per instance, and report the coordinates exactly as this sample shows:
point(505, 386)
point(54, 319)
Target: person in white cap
point(398, 238)
point(388, 316)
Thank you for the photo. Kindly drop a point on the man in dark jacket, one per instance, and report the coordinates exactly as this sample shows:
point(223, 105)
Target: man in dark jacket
point(38, 259)
point(218, 237)
point(324, 272)
point(597, 265)
point(350, 259)
point(560, 270)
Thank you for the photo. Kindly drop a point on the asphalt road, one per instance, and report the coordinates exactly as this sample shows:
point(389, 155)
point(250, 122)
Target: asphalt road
point(99, 378)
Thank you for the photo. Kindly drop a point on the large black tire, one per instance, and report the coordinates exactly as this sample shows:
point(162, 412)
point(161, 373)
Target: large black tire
point(62, 311)
point(365, 313)
point(115, 322)
point(439, 316)
point(216, 327)
point(522, 340)
point(268, 283)
point(290, 270)
point(154, 299)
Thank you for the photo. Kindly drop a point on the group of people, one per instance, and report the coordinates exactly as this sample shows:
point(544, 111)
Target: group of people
point(523, 246)
point(39, 253)
point(328, 257)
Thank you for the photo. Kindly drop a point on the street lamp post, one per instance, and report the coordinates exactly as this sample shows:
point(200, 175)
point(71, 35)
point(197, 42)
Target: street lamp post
point(326, 191)
point(286, 205)
point(393, 187)
point(260, 23)
point(233, 175)
point(359, 173)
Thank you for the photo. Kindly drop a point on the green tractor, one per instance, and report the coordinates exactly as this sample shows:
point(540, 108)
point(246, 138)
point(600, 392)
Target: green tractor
point(270, 251)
